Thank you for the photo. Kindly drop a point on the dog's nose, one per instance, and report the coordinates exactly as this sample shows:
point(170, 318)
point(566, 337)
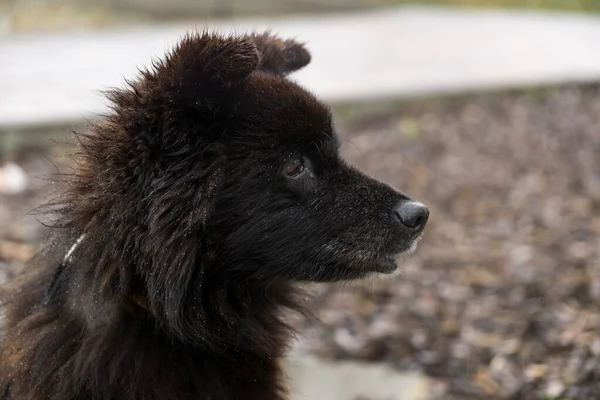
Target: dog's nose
point(412, 214)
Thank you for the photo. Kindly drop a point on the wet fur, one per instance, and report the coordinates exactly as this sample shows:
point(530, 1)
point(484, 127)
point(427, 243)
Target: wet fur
point(194, 240)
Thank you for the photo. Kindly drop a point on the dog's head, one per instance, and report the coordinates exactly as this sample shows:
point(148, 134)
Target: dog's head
point(214, 163)
point(288, 206)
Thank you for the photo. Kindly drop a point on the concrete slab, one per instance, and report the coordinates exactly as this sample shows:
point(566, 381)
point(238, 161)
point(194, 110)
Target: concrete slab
point(312, 378)
point(400, 52)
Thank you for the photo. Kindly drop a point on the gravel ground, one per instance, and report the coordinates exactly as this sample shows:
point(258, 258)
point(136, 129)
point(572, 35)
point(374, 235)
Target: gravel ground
point(500, 302)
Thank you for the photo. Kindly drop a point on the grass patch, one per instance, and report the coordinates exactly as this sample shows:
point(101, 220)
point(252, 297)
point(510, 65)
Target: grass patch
point(555, 5)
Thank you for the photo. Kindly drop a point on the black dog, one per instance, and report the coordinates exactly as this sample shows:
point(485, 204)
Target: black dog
point(194, 210)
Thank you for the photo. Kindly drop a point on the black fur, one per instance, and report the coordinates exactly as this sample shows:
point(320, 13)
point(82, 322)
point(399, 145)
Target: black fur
point(213, 188)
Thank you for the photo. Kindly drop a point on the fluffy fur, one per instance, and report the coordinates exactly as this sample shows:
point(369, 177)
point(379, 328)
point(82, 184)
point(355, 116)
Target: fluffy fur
point(213, 188)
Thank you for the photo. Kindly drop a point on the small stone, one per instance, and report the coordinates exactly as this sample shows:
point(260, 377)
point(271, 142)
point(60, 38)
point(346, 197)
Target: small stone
point(535, 371)
point(382, 327)
point(554, 389)
point(461, 350)
point(579, 250)
point(13, 179)
point(510, 346)
point(418, 338)
point(347, 342)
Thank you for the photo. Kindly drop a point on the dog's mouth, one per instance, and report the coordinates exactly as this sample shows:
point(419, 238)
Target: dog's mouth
point(388, 263)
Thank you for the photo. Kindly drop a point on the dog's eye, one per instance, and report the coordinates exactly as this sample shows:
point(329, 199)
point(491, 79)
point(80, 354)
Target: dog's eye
point(294, 167)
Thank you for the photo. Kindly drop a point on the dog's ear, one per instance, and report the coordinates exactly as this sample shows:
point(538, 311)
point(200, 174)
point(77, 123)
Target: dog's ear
point(279, 56)
point(203, 68)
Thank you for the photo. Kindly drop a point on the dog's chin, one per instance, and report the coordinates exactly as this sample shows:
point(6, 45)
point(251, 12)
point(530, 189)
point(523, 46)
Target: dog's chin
point(388, 264)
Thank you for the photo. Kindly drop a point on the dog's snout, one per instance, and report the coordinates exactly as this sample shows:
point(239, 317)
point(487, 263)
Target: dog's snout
point(412, 214)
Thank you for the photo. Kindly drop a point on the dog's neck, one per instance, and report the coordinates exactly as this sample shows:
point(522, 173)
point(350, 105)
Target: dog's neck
point(229, 326)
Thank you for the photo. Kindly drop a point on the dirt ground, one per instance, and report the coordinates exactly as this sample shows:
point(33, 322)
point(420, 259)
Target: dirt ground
point(501, 299)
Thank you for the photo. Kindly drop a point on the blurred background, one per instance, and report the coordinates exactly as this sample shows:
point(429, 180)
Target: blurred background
point(488, 111)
